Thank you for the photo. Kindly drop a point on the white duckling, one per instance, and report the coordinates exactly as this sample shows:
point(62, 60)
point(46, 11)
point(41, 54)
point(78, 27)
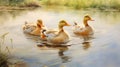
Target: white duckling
point(28, 27)
point(86, 30)
point(57, 37)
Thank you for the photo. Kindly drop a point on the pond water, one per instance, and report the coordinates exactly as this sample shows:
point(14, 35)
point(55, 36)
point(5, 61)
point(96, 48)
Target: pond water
point(101, 51)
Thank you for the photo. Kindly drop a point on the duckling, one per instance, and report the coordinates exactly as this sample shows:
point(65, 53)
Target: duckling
point(86, 30)
point(57, 37)
point(33, 29)
point(37, 31)
point(28, 27)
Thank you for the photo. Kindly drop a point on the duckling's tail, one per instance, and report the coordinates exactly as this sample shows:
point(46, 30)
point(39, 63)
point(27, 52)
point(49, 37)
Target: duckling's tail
point(26, 22)
point(75, 23)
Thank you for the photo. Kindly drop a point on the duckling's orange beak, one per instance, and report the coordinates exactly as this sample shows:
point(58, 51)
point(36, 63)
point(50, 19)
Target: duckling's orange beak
point(92, 20)
point(68, 24)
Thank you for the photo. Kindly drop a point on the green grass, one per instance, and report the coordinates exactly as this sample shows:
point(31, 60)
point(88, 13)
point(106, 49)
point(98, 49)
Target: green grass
point(78, 4)
point(21, 3)
point(4, 51)
point(30, 3)
point(3, 60)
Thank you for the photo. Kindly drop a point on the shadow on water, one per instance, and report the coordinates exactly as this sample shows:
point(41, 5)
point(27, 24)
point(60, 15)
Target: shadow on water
point(61, 50)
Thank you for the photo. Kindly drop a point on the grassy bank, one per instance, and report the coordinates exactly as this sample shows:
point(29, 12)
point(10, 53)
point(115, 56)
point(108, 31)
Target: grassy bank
point(3, 60)
point(78, 4)
point(18, 4)
point(22, 3)
point(4, 51)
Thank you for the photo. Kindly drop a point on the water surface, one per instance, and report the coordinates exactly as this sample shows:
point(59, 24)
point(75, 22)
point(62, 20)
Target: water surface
point(102, 51)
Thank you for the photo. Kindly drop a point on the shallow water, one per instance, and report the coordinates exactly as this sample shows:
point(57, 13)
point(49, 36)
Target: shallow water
point(101, 51)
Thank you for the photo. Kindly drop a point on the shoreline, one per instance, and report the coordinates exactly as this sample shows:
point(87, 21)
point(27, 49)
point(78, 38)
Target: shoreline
point(10, 8)
point(7, 8)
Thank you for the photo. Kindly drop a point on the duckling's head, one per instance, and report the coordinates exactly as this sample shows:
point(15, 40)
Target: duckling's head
point(63, 23)
point(40, 23)
point(88, 18)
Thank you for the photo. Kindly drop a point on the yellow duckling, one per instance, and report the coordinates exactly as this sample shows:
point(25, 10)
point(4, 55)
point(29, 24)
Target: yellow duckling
point(33, 29)
point(56, 37)
point(87, 30)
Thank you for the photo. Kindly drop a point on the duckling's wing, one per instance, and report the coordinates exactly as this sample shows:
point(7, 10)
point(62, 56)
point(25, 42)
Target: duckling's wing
point(28, 28)
point(60, 37)
point(84, 31)
point(51, 34)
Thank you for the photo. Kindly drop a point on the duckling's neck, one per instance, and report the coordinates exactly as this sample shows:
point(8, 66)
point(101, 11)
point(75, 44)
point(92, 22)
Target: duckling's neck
point(85, 23)
point(61, 28)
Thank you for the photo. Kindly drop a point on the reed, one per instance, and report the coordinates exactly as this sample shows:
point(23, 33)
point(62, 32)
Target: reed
point(4, 51)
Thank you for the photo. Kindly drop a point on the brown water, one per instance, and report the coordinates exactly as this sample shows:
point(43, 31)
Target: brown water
point(102, 51)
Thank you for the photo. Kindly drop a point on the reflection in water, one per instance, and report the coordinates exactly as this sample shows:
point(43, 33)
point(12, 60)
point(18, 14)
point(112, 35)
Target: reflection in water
point(62, 55)
point(86, 45)
point(87, 38)
point(86, 41)
point(61, 49)
point(32, 37)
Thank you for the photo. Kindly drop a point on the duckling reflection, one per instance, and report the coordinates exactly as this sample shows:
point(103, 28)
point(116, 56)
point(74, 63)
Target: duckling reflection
point(62, 55)
point(86, 45)
point(32, 38)
point(61, 50)
point(87, 38)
